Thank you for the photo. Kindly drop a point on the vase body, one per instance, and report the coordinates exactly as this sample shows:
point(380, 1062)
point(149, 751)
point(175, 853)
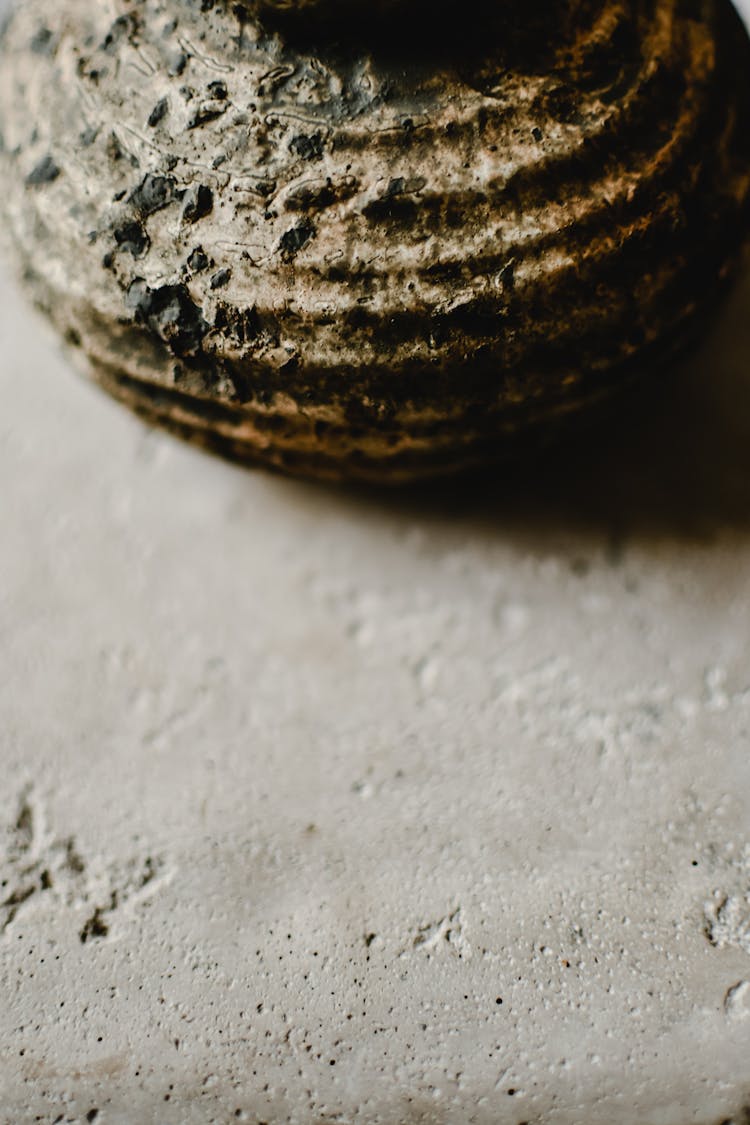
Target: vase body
point(370, 254)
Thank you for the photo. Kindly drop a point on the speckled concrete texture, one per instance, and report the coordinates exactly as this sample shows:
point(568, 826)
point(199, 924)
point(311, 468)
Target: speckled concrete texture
point(322, 806)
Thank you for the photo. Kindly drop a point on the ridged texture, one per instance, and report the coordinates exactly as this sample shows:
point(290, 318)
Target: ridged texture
point(347, 264)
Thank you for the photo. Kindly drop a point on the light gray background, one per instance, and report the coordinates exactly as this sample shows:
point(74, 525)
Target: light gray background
point(327, 807)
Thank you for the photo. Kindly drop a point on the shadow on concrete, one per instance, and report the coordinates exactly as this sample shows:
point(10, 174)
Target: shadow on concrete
point(674, 461)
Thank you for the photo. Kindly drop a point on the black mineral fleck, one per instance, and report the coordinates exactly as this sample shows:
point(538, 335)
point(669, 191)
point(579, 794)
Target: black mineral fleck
point(199, 202)
point(132, 239)
point(171, 314)
point(308, 147)
point(296, 238)
point(45, 172)
point(159, 112)
point(152, 194)
point(198, 260)
point(220, 278)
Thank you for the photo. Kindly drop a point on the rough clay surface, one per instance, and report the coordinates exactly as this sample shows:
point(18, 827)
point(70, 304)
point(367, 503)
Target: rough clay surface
point(318, 807)
point(382, 263)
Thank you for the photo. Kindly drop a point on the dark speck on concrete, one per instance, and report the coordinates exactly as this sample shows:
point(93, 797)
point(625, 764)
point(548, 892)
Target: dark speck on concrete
point(206, 112)
point(116, 152)
point(89, 135)
point(171, 314)
point(220, 278)
point(132, 238)
point(199, 202)
point(218, 90)
point(308, 147)
point(95, 927)
point(198, 260)
point(124, 27)
point(152, 194)
point(296, 238)
point(159, 112)
point(45, 172)
point(240, 325)
point(43, 42)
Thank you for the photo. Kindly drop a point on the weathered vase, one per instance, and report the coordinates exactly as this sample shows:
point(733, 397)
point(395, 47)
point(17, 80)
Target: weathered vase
point(382, 247)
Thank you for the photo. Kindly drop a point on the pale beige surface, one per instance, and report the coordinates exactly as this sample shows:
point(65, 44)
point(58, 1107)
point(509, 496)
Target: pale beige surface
point(337, 773)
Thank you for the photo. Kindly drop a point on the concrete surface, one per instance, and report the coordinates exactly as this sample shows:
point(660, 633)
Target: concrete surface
point(320, 806)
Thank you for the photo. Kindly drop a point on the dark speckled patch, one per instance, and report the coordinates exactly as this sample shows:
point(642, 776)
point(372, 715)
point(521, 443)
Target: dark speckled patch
point(199, 202)
point(296, 238)
point(45, 172)
point(169, 312)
